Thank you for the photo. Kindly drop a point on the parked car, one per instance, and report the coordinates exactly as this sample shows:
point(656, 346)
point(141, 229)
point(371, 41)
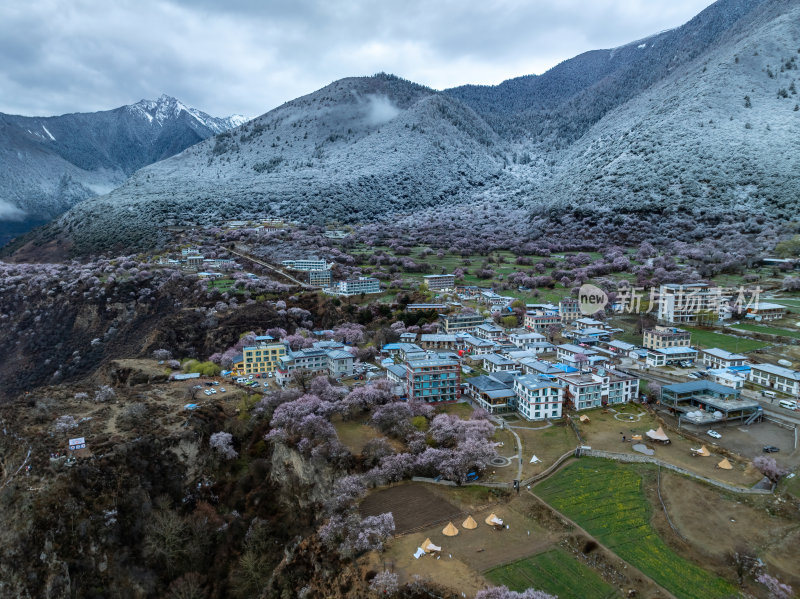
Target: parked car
point(266, 383)
point(770, 449)
point(714, 434)
point(693, 375)
point(215, 382)
point(222, 389)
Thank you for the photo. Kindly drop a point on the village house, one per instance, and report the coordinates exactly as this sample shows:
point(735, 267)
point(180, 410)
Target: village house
point(776, 378)
point(661, 337)
point(765, 311)
point(497, 363)
point(494, 392)
point(719, 358)
point(567, 352)
point(490, 331)
point(437, 341)
point(670, 356)
point(539, 323)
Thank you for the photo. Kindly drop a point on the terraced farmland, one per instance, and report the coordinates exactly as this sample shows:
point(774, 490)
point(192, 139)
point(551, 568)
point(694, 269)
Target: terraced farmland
point(607, 500)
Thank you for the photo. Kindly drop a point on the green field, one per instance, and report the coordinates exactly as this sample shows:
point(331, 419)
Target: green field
point(555, 572)
point(755, 328)
point(606, 499)
point(731, 343)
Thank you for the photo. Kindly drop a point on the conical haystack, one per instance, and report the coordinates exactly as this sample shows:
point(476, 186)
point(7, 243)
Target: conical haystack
point(725, 464)
point(704, 452)
point(450, 530)
point(469, 523)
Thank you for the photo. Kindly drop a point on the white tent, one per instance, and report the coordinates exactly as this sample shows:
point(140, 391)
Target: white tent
point(658, 435)
point(535, 460)
point(493, 520)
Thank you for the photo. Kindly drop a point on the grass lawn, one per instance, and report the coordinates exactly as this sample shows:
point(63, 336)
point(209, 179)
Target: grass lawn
point(547, 444)
point(354, 434)
point(756, 328)
point(462, 410)
point(555, 572)
point(606, 499)
point(731, 343)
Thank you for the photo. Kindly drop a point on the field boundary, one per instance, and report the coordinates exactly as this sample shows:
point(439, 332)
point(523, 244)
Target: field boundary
point(643, 459)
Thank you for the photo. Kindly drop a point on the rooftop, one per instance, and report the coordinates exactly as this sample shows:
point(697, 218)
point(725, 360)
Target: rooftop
point(533, 382)
point(723, 354)
point(778, 371)
point(699, 387)
point(576, 349)
point(674, 351)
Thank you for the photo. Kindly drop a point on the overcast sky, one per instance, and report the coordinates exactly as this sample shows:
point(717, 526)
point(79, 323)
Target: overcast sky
point(248, 56)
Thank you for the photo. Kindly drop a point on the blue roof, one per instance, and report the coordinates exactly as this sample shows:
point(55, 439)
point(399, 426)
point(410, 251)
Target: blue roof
point(564, 367)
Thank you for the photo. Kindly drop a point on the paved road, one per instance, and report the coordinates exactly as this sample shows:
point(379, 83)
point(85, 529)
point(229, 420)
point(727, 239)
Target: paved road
point(274, 269)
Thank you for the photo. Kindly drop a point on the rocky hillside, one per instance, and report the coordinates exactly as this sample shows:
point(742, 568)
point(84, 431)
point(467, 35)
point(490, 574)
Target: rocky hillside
point(48, 164)
point(720, 136)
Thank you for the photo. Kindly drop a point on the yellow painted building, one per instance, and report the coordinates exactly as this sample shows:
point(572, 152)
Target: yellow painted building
point(260, 358)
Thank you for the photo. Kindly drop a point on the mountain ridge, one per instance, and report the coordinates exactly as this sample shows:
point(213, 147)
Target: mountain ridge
point(48, 164)
point(381, 148)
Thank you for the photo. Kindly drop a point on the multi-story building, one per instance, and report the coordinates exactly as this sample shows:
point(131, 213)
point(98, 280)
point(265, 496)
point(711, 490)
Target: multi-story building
point(695, 302)
point(764, 311)
point(425, 307)
point(365, 285)
point(719, 358)
point(194, 262)
point(776, 377)
point(569, 310)
point(440, 282)
point(458, 323)
point(583, 390)
point(320, 278)
point(538, 398)
point(262, 358)
point(539, 323)
point(526, 340)
point(309, 264)
point(315, 361)
point(490, 331)
point(617, 387)
point(660, 337)
point(433, 380)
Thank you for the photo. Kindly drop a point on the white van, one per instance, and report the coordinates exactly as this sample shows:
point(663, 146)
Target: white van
point(789, 405)
point(768, 393)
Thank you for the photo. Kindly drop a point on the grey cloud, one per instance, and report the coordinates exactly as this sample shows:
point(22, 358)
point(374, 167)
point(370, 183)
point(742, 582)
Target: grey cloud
point(248, 56)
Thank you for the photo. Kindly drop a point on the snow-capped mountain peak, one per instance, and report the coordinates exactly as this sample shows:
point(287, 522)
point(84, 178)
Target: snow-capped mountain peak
point(167, 108)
